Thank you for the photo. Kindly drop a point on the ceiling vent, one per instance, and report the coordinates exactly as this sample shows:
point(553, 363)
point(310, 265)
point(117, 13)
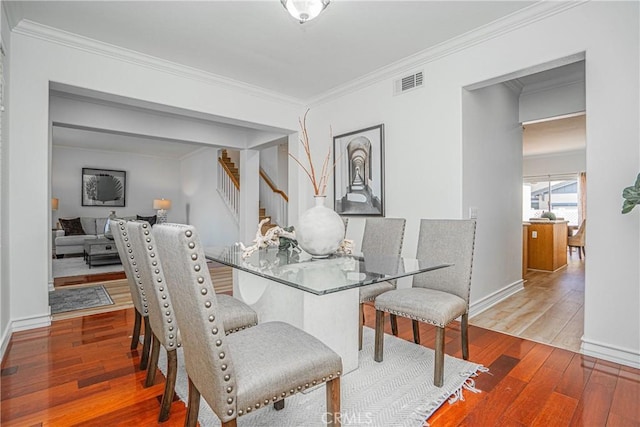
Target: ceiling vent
point(407, 83)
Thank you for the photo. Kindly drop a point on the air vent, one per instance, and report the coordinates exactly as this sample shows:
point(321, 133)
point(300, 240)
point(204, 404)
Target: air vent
point(407, 83)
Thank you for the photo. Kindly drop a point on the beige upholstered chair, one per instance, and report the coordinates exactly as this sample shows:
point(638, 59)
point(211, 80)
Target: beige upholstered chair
point(235, 315)
point(578, 240)
point(245, 371)
point(382, 237)
point(138, 296)
point(439, 296)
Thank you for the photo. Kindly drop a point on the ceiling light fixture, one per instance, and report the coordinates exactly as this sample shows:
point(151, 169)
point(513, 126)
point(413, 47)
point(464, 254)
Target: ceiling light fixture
point(305, 10)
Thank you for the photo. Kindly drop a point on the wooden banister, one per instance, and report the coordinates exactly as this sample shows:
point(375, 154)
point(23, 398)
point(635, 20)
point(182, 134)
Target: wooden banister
point(272, 186)
point(229, 173)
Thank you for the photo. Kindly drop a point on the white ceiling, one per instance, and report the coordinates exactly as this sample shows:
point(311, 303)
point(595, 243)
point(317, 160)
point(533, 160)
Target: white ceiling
point(258, 43)
point(555, 136)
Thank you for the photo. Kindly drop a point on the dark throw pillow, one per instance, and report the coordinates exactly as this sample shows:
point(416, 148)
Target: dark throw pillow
point(150, 219)
point(72, 227)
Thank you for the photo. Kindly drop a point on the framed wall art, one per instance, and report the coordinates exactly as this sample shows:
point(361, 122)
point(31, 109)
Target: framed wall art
point(358, 180)
point(103, 187)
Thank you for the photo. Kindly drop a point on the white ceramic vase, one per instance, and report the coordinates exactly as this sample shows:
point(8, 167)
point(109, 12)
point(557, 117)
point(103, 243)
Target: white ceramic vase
point(320, 230)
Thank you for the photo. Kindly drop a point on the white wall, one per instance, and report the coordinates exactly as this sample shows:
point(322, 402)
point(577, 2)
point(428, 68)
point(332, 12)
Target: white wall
point(148, 177)
point(558, 163)
point(552, 102)
point(424, 156)
point(207, 211)
point(491, 184)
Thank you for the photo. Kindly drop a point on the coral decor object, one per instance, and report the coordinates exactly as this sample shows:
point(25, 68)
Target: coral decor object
point(264, 240)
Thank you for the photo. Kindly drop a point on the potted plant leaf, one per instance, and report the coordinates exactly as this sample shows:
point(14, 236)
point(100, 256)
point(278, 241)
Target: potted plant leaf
point(631, 196)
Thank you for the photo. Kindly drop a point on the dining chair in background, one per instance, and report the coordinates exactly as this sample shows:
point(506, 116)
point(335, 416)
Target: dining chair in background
point(138, 295)
point(436, 297)
point(382, 237)
point(165, 328)
point(578, 240)
point(245, 371)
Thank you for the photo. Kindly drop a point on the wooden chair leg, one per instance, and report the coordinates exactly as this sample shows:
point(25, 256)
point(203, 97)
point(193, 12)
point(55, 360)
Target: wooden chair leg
point(193, 406)
point(135, 337)
point(394, 324)
point(146, 346)
point(438, 372)
point(279, 405)
point(361, 326)
point(464, 328)
point(231, 423)
point(169, 385)
point(153, 363)
point(579, 252)
point(416, 331)
point(333, 402)
point(379, 344)
point(584, 251)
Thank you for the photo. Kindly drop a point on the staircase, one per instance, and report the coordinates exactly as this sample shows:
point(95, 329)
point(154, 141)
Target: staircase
point(229, 188)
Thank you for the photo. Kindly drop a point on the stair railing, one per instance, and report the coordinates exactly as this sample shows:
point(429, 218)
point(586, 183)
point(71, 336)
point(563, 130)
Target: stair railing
point(274, 200)
point(229, 189)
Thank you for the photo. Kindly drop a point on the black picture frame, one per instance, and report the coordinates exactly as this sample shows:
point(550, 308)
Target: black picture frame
point(104, 187)
point(358, 178)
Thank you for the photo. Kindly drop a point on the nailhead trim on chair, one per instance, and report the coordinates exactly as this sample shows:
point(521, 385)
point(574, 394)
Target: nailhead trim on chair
point(125, 237)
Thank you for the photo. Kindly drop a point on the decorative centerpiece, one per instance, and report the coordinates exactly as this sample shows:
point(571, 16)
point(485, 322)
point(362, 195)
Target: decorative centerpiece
point(320, 230)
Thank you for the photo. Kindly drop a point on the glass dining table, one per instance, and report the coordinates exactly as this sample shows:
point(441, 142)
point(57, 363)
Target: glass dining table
point(319, 296)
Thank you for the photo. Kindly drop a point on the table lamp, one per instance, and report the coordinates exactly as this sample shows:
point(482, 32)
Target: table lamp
point(162, 205)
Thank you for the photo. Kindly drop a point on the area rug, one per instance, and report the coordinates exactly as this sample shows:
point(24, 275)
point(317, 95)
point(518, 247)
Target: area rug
point(76, 266)
point(397, 392)
point(62, 300)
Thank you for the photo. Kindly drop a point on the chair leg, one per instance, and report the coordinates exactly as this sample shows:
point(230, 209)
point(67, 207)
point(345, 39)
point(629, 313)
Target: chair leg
point(584, 252)
point(333, 402)
point(231, 423)
point(579, 252)
point(379, 345)
point(438, 373)
point(169, 385)
point(394, 324)
point(464, 329)
point(153, 363)
point(279, 405)
point(361, 326)
point(416, 331)
point(135, 337)
point(193, 406)
point(144, 359)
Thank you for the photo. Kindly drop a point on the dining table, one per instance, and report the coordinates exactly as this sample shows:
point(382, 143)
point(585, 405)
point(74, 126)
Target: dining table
point(317, 295)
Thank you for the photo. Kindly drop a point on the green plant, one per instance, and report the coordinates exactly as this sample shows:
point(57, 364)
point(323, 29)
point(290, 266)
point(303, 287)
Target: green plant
point(631, 196)
point(549, 215)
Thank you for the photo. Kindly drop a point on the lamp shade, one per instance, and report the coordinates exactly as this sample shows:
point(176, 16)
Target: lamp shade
point(54, 204)
point(161, 204)
point(305, 10)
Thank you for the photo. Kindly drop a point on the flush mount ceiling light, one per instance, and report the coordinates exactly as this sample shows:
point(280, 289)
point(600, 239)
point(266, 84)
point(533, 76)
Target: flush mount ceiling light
point(305, 10)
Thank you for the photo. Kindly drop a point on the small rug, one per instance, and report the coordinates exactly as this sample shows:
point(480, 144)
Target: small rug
point(76, 266)
point(62, 300)
point(396, 392)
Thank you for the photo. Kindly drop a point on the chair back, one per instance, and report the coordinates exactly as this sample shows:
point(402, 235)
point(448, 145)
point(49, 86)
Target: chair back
point(579, 238)
point(207, 357)
point(447, 241)
point(123, 244)
point(383, 236)
point(150, 272)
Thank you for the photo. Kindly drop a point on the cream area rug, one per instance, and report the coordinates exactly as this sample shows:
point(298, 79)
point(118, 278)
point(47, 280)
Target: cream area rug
point(76, 266)
point(396, 392)
point(62, 300)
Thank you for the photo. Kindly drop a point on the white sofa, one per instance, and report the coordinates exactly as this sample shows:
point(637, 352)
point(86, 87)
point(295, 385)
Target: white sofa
point(93, 228)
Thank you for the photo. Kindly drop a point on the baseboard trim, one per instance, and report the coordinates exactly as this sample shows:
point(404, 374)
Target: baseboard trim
point(4, 342)
point(612, 353)
point(490, 300)
point(34, 322)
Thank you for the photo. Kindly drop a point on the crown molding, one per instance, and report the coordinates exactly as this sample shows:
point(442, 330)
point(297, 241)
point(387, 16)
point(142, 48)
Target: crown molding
point(515, 86)
point(536, 12)
point(75, 41)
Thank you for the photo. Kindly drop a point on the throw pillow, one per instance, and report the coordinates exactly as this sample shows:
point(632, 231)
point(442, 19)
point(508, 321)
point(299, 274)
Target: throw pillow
point(150, 219)
point(72, 227)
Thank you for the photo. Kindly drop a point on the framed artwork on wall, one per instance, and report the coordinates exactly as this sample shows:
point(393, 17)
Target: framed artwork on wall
point(358, 180)
point(103, 187)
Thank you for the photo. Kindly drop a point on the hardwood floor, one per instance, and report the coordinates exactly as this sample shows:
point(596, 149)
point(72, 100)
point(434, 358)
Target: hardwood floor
point(81, 372)
point(549, 310)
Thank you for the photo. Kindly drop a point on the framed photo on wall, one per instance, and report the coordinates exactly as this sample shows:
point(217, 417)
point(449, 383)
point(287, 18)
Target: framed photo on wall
point(358, 179)
point(103, 187)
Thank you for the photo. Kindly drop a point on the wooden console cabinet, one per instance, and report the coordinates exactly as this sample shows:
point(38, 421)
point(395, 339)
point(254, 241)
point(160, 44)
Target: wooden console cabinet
point(547, 245)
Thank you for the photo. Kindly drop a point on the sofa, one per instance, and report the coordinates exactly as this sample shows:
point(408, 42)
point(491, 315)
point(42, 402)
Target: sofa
point(75, 231)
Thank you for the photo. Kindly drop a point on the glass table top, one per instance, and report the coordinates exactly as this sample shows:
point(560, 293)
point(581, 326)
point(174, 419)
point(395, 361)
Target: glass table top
point(321, 276)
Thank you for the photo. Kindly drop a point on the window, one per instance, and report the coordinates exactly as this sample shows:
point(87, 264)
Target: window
point(563, 201)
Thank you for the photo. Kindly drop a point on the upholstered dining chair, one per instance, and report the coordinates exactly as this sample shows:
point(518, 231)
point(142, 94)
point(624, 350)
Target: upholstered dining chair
point(578, 240)
point(234, 314)
point(439, 296)
point(245, 371)
point(382, 237)
point(138, 295)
